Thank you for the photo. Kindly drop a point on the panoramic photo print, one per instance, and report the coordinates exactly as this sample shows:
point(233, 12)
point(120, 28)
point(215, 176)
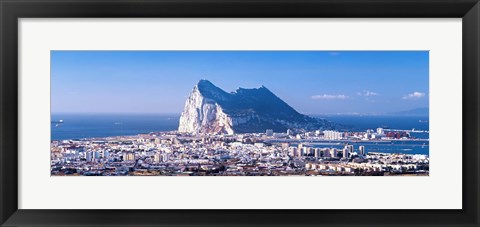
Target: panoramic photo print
point(239, 113)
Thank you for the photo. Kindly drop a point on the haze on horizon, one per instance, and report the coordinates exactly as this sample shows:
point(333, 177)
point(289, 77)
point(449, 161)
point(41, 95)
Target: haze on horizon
point(312, 82)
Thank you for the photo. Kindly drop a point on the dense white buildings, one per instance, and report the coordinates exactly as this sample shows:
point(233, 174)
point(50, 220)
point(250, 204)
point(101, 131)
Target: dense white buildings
point(332, 135)
point(240, 154)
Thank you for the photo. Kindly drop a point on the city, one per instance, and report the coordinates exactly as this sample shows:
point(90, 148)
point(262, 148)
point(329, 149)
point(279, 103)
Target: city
point(292, 153)
point(240, 113)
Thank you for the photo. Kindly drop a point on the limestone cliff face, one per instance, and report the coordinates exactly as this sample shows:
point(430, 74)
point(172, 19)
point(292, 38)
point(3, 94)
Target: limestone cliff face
point(203, 115)
point(209, 109)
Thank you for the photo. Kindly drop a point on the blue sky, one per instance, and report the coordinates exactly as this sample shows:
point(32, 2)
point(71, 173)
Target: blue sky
point(313, 82)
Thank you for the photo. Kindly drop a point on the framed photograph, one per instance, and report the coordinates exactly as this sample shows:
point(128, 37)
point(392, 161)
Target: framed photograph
point(256, 113)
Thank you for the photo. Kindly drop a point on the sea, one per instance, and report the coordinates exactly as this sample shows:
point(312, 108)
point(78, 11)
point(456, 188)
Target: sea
point(79, 126)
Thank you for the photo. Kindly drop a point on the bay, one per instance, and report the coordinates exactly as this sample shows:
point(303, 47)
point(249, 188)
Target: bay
point(79, 126)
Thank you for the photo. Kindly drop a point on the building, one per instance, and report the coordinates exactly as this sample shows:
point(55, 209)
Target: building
point(279, 135)
point(380, 131)
point(300, 146)
point(157, 141)
point(289, 132)
point(292, 151)
point(128, 156)
point(89, 156)
point(345, 152)
point(269, 132)
point(350, 149)
point(104, 154)
point(361, 150)
point(165, 157)
point(259, 145)
point(333, 152)
point(333, 135)
point(326, 153)
point(157, 157)
point(306, 151)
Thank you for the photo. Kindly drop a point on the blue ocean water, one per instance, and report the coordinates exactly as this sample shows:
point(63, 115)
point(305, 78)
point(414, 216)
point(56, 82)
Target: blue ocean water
point(78, 126)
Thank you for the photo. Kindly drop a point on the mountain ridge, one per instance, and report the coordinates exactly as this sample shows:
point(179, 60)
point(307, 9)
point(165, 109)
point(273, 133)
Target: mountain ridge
point(209, 109)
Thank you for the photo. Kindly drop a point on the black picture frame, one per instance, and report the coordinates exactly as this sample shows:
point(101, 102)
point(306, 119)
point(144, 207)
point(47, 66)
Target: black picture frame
point(12, 10)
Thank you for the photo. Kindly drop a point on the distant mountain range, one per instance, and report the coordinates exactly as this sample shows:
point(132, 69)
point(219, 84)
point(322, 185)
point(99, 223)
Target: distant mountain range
point(210, 109)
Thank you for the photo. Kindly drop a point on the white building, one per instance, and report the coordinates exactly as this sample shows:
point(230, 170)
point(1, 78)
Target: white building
point(361, 150)
point(289, 132)
point(345, 152)
point(380, 131)
point(128, 156)
point(333, 153)
point(349, 149)
point(333, 135)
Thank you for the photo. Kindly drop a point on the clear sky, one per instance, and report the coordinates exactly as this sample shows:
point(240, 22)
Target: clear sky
point(312, 82)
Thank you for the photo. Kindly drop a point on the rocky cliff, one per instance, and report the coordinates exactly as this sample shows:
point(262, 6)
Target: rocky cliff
point(209, 109)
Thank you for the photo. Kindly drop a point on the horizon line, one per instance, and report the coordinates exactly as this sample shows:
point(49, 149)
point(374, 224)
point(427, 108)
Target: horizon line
point(179, 113)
